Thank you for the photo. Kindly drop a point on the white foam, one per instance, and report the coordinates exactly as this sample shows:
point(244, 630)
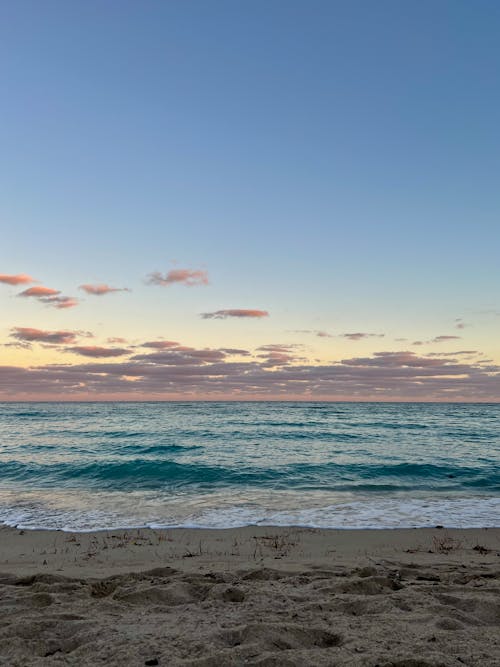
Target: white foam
point(72, 510)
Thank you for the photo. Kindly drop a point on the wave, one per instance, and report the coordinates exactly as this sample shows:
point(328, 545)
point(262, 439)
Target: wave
point(158, 473)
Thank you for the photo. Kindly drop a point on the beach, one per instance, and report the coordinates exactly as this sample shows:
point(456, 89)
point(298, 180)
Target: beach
point(254, 595)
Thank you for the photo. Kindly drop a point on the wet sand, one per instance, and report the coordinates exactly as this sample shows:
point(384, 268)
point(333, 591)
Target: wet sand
point(250, 596)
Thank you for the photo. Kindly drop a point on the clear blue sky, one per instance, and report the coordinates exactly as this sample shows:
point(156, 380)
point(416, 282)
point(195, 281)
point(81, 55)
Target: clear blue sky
point(335, 163)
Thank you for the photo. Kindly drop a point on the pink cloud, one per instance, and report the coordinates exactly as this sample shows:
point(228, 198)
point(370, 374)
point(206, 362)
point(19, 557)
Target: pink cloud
point(39, 291)
point(116, 339)
point(28, 334)
point(160, 344)
point(98, 352)
point(17, 279)
point(234, 312)
point(49, 296)
point(187, 277)
point(101, 289)
point(60, 302)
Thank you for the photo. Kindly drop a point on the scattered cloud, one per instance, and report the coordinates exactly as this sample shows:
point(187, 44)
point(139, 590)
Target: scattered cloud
point(360, 336)
point(50, 297)
point(454, 354)
point(60, 302)
point(116, 339)
point(160, 344)
point(235, 352)
point(39, 291)
point(187, 277)
point(444, 339)
point(460, 324)
point(31, 335)
point(101, 289)
point(279, 354)
point(98, 352)
point(436, 339)
point(234, 312)
point(315, 332)
point(16, 279)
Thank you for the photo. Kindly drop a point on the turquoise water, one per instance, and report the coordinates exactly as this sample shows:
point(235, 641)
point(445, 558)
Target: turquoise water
point(96, 465)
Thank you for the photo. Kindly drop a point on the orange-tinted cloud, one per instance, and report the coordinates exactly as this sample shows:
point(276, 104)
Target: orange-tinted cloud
point(17, 279)
point(28, 334)
point(234, 312)
point(39, 291)
point(98, 352)
point(187, 277)
point(101, 289)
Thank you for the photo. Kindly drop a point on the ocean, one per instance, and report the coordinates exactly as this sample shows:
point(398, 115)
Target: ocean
point(87, 466)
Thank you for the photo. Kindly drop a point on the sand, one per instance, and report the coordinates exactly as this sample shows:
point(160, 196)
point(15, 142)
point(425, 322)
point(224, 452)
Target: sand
point(250, 596)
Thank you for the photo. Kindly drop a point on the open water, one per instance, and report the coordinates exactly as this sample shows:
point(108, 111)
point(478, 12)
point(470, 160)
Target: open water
point(85, 466)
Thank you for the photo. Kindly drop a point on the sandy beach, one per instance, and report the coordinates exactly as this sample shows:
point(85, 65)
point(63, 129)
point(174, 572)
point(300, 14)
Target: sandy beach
point(254, 595)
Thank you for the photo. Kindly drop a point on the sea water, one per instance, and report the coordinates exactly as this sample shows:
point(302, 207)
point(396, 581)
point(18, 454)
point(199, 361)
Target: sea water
point(85, 466)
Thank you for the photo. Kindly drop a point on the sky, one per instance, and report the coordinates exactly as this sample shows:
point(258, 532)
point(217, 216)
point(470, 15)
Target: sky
point(249, 200)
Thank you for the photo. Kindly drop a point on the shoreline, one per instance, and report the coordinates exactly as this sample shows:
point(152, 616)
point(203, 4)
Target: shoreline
point(103, 552)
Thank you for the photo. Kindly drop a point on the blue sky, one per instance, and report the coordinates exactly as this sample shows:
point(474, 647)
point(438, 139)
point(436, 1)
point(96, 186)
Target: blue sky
point(333, 163)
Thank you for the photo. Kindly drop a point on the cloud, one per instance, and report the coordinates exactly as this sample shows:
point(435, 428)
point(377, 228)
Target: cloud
point(116, 339)
point(444, 339)
point(187, 277)
point(60, 302)
point(234, 312)
point(189, 373)
point(279, 354)
point(39, 291)
point(50, 297)
point(437, 339)
point(360, 336)
point(101, 289)
point(235, 351)
point(98, 352)
point(460, 324)
point(454, 354)
point(182, 355)
point(160, 344)
point(17, 279)
point(28, 334)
